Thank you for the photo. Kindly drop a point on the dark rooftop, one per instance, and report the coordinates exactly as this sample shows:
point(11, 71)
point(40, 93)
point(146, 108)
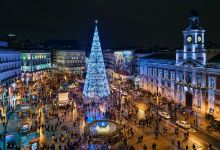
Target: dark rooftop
point(164, 56)
point(215, 59)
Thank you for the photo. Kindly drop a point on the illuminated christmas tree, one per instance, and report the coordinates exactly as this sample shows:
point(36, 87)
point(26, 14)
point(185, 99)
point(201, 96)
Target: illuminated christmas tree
point(96, 83)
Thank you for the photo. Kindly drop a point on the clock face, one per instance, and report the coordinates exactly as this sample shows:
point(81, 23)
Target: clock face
point(189, 39)
point(199, 39)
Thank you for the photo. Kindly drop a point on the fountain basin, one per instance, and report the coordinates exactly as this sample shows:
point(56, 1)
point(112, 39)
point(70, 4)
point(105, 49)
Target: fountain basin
point(102, 124)
point(101, 127)
point(102, 130)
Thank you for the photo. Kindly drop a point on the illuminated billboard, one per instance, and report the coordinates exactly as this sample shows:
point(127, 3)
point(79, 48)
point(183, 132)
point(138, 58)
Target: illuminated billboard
point(124, 62)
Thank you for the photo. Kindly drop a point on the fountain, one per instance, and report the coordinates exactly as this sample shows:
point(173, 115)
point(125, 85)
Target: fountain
point(101, 130)
point(102, 127)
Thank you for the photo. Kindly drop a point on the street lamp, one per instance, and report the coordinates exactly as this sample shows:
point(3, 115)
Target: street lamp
point(197, 107)
point(5, 125)
point(120, 95)
point(157, 119)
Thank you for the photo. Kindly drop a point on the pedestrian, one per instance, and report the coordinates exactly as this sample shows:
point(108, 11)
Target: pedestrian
point(194, 146)
point(210, 146)
point(141, 139)
point(173, 141)
point(153, 146)
point(185, 135)
point(164, 129)
point(145, 147)
point(132, 133)
point(178, 144)
point(187, 147)
point(138, 141)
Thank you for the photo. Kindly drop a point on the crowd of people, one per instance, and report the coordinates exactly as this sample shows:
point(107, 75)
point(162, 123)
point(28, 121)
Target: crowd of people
point(61, 127)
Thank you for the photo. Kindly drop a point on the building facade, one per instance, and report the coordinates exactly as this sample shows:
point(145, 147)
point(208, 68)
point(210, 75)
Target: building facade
point(10, 66)
point(33, 63)
point(69, 60)
point(109, 61)
point(190, 77)
point(3, 44)
point(122, 64)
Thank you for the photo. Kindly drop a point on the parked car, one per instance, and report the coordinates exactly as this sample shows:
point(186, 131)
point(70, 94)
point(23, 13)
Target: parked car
point(214, 125)
point(183, 124)
point(164, 114)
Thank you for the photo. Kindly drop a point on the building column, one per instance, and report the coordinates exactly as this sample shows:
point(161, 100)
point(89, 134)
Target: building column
point(201, 102)
point(141, 83)
point(183, 96)
point(148, 84)
point(184, 75)
point(211, 101)
point(155, 86)
point(193, 77)
point(180, 94)
point(159, 86)
point(172, 90)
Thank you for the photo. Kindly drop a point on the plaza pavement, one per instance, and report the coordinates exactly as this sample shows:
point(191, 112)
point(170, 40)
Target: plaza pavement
point(202, 124)
point(163, 142)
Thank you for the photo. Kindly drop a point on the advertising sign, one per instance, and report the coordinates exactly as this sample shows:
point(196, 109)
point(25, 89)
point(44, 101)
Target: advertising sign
point(124, 62)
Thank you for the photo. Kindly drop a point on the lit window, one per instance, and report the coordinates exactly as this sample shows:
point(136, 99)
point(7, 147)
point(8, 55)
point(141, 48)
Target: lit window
point(211, 82)
point(172, 75)
point(166, 75)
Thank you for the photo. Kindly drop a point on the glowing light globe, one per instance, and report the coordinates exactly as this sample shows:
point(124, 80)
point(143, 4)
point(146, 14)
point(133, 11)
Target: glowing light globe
point(102, 127)
point(102, 124)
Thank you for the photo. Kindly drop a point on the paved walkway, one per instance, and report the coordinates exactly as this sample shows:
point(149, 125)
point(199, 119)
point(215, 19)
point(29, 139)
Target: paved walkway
point(202, 122)
point(66, 126)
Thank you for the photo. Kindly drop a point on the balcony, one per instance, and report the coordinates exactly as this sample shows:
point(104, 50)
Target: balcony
point(9, 78)
point(184, 83)
point(9, 69)
point(9, 61)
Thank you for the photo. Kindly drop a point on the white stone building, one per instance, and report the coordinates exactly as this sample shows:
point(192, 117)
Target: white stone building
point(190, 77)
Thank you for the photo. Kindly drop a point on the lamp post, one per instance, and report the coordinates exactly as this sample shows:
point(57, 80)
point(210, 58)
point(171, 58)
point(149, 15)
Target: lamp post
point(120, 95)
point(157, 119)
point(196, 121)
point(5, 125)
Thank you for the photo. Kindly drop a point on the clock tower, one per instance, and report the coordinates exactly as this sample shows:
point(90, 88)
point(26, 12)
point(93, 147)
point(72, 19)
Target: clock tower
point(193, 39)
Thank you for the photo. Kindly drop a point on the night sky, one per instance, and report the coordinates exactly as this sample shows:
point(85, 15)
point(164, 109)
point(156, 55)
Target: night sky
point(122, 22)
